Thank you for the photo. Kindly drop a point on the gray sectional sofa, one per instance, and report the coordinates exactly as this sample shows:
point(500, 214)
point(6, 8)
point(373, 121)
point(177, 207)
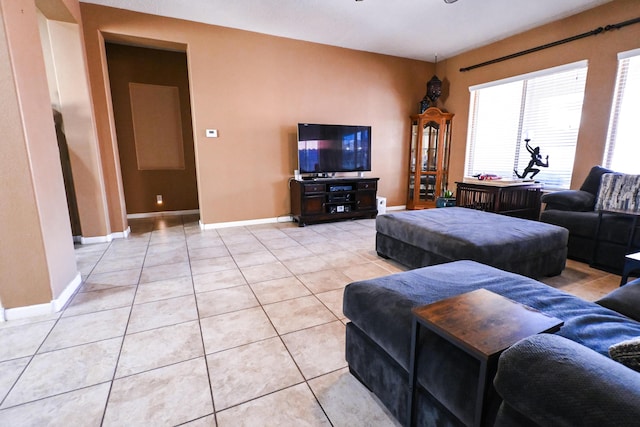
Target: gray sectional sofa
point(565, 379)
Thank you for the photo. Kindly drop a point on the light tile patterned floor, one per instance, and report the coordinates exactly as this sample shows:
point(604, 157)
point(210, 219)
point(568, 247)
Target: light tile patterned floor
point(232, 327)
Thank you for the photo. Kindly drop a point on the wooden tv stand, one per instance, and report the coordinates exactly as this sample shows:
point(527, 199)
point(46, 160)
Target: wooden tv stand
point(331, 199)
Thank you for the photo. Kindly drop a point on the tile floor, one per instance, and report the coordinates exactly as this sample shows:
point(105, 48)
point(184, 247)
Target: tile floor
point(231, 327)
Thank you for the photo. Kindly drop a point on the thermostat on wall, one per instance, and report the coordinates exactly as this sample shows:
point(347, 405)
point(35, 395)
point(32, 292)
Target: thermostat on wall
point(212, 133)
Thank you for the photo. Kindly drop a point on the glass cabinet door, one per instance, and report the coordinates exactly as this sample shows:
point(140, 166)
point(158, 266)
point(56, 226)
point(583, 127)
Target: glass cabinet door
point(430, 147)
point(430, 135)
point(427, 187)
point(414, 149)
point(413, 158)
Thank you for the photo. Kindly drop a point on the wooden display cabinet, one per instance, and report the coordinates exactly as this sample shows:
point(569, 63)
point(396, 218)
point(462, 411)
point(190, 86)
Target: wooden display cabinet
point(428, 157)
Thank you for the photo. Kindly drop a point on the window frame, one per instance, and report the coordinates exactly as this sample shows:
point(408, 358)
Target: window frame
point(621, 84)
point(515, 142)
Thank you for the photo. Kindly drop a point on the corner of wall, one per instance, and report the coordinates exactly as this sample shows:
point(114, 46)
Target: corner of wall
point(7, 314)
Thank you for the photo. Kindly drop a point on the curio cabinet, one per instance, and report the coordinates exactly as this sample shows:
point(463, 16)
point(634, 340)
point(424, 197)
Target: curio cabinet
point(428, 157)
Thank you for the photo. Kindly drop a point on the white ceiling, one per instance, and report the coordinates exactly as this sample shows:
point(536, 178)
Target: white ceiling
point(417, 29)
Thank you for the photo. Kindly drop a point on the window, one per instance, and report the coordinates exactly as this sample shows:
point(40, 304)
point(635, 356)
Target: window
point(544, 106)
point(621, 153)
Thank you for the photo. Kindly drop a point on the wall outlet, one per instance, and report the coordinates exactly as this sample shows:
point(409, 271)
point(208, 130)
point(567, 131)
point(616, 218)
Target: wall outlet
point(211, 133)
point(159, 199)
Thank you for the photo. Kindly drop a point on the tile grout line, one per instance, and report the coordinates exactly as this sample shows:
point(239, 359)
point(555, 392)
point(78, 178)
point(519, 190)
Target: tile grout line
point(57, 319)
point(204, 349)
point(280, 337)
point(278, 334)
point(357, 248)
point(124, 335)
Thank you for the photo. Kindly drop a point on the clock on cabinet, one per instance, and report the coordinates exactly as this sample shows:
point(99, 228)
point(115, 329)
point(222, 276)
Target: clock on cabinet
point(428, 157)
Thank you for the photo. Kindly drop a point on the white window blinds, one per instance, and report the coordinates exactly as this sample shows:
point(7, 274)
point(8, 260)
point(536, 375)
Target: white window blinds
point(621, 153)
point(545, 106)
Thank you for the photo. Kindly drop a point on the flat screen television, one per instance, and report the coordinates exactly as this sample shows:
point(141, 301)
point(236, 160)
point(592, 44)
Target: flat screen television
point(326, 149)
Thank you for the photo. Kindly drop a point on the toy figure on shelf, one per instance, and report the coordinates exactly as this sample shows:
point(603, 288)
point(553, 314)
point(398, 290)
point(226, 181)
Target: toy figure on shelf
point(536, 160)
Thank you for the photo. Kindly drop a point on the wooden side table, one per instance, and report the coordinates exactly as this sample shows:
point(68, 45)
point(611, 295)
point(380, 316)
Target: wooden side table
point(631, 264)
point(480, 323)
point(520, 199)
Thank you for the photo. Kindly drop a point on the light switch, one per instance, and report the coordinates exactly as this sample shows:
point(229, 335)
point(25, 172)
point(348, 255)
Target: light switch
point(212, 133)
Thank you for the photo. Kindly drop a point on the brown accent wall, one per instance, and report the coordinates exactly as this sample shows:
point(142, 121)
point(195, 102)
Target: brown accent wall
point(254, 89)
point(600, 51)
point(157, 67)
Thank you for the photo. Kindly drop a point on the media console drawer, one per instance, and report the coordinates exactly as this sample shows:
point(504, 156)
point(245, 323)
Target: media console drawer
point(314, 188)
point(368, 185)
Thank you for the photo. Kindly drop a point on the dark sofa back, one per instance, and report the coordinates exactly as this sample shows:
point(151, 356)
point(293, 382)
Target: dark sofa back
point(591, 183)
point(547, 380)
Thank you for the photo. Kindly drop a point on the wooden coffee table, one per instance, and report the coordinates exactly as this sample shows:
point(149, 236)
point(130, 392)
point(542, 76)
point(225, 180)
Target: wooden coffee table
point(482, 324)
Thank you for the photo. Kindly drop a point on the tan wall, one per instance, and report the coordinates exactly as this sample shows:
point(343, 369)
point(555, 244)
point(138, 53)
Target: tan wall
point(36, 256)
point(157, 67)
point(600, 51)
point(75, 105)
point(255, 89)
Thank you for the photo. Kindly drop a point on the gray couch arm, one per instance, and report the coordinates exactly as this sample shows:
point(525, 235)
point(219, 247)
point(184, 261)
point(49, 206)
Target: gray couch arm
point(570, 200)
point(547, 380)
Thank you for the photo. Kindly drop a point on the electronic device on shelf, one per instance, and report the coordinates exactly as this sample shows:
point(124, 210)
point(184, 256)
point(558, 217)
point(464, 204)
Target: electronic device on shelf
point(326, 149)
point(339, 209)
point(346, 197)
point(340, 187)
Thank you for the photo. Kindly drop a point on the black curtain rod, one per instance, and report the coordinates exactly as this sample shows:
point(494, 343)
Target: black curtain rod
point(556, 43)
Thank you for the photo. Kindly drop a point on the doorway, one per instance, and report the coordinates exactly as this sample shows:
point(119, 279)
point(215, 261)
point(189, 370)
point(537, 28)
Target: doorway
point(152, 115)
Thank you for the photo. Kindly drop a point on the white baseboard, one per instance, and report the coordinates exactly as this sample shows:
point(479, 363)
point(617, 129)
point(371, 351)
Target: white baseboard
point(121, 234)
point(95, 239)
point(27, 311)
point(58, 303)
point(397, 208)
point(164, 213)
point(54, 306)
point(213, 226)
point(102, 239)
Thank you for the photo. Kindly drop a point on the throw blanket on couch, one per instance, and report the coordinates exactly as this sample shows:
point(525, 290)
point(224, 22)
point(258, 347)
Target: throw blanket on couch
point(619, 192)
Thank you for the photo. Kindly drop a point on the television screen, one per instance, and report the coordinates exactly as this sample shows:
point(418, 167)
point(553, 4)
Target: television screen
point(333, 148)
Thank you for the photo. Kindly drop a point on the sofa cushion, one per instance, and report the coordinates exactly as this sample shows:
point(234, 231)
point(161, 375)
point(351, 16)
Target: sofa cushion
point(549, 381)
point(455, 233)
point(613, 228)
point(625, 300)
point(627, 352)
point(570, 200)
point(619, 192)
point(592, 183)
point(578, 223)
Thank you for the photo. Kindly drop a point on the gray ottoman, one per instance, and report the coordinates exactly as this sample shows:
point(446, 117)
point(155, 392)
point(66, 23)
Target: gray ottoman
point(435, 236)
